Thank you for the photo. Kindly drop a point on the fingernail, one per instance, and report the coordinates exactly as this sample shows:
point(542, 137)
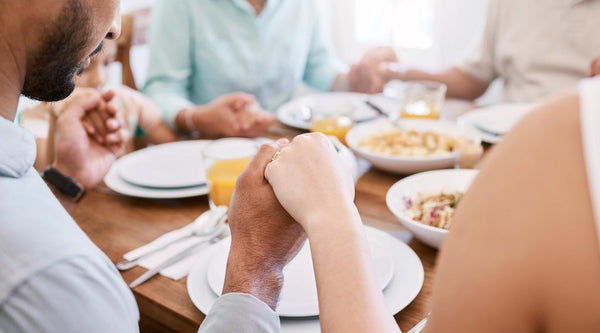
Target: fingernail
point(283, 142)
point(113, 123)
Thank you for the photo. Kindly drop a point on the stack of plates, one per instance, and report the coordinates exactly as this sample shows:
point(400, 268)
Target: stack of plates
point(398, 269)
point(172, 170)
point(493, 122)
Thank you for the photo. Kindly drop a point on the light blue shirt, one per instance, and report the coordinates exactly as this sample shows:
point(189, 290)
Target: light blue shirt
point(52, 277)
point(240, 313)
point(202, 49)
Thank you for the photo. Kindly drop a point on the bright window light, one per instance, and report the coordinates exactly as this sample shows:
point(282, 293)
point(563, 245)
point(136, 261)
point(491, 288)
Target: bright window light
point(403, 23)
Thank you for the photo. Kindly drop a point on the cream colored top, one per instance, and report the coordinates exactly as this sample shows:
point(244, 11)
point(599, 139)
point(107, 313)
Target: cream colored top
point(538, 47)
point(589, 101)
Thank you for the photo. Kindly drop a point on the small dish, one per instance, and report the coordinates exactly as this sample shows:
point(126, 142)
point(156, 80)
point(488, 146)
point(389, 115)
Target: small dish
point(426, 182)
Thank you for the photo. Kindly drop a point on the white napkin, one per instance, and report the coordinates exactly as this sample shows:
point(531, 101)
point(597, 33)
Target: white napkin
point(177, 270)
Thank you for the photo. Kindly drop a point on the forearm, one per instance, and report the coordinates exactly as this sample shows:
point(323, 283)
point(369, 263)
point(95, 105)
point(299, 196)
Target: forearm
point(344, 271)
point(258, 278)
point(341, 83)
point(460, 84)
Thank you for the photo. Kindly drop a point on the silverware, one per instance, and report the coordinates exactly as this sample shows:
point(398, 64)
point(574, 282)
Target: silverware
point(376, 108)
point(306, 113)
point(221, 233)
point(204, 225)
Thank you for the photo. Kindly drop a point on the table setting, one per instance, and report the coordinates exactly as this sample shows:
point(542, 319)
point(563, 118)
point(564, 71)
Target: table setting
point(189, 250)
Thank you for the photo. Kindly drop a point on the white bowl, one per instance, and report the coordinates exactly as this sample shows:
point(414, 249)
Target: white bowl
point(407, 165)
point(426, 182)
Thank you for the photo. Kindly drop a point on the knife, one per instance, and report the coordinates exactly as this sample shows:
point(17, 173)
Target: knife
point(204, 225)
point(221, 233)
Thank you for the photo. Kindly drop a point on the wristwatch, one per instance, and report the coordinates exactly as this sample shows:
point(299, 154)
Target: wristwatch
point(63, 184)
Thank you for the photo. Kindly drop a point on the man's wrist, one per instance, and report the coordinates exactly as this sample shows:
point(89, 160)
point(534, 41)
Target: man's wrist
point(260, 278)
point(63, 183)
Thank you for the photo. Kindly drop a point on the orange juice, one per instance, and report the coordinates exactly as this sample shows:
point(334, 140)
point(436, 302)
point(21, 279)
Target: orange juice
point(421, 110)
point(336, 126)
point(221, 177)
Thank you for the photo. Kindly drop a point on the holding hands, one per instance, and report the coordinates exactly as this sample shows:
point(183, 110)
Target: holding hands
point(86, 137)
point(264, 237)
point(310, 181)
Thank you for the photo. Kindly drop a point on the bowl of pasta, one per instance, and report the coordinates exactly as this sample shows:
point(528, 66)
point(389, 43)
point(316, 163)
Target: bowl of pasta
point(425, 203)
point(414, 145)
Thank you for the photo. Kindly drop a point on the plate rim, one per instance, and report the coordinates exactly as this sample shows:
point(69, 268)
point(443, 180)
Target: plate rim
point(283, 111)
point(198, 273)
point(112, 178)
point(135, 154)
point(466, 120)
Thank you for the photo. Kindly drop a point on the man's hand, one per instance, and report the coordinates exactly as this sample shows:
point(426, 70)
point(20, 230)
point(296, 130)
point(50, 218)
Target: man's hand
point(366, 76)
point(595, 67)
point(86, 112)
point(264, 237)
point(311, 182)
point(235, 114)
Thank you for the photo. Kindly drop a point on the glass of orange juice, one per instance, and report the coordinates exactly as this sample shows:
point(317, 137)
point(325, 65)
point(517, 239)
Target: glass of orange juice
point(419, 99)
point(333, 119)
point(224, 160)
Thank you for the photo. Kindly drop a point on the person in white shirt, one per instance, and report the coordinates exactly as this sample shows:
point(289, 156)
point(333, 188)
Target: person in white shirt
point(538, 48)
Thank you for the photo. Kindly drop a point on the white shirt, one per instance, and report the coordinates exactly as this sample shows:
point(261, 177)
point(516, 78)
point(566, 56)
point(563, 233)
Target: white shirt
point(589, 101)
point(52, 277)
point(538, 47)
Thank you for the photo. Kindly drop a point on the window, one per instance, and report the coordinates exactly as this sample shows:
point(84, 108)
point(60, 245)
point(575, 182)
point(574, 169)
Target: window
point(402, 23)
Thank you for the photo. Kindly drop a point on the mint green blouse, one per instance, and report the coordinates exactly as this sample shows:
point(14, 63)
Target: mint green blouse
point(202, 49)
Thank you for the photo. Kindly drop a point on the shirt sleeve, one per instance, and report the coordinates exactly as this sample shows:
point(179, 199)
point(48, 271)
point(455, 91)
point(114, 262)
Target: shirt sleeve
point(170, 69)
point(79, 294)
point(322, 65)
point(480, 61)
point(238, 312)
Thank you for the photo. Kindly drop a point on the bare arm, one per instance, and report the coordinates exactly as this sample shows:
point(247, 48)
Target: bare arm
point(523, 234)
point(350, 299)
point(460, 84)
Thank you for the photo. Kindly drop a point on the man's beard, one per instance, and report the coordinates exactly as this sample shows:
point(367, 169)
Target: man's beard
point(51, 73)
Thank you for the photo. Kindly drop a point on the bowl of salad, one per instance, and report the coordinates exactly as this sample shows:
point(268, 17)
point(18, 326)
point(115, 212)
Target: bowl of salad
point(425, 203)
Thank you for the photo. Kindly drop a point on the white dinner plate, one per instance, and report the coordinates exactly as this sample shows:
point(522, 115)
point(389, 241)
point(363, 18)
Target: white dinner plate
point(407, 164)
point(117, 184)
point(170, 165)
point(299, 293)
point(405, 285)
point(494, 121)
point(291, 112)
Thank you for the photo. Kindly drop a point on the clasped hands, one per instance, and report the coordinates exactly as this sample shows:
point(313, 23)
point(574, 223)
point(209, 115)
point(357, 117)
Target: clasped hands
point(87, 136)
point(276, 204)
point(236, 114)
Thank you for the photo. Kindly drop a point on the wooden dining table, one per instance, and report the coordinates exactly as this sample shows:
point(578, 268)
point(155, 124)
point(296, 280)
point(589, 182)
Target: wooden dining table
point(118, 224)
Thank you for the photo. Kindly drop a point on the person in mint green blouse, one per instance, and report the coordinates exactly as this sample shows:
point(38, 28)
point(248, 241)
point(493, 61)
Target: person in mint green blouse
point(213, 62)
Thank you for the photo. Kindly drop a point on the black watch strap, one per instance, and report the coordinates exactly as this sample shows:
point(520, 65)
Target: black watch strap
point(63, 184)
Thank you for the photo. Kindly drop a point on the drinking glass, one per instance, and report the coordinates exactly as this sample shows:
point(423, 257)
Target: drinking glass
point(333, 119)
point(224, 160)
point(419, 99)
